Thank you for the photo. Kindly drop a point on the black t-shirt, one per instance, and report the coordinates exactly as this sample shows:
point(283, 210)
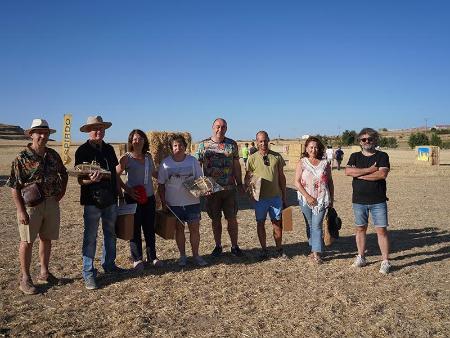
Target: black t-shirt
point(369, 192)
point(106, 158)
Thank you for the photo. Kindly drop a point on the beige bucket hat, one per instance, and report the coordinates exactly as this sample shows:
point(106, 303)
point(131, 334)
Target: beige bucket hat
point(38, 124)
point(94, 121)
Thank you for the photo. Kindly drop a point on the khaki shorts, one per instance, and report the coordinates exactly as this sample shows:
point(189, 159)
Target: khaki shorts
point(225, 201)
point(44, 220)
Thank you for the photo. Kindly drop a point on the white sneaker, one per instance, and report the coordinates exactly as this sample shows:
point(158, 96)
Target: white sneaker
point(359, 262)
point(157, 263)
point(182, 261)
point(138, 266)
point(200, 261)
point(385, 267)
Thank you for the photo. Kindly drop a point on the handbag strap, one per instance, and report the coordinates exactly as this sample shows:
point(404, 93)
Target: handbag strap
point(146, 169)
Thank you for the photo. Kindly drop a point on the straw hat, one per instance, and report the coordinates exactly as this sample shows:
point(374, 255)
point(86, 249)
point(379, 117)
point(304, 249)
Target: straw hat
point(93, 121)
point(39, 124)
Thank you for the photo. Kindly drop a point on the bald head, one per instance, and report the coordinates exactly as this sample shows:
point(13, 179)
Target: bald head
point(219, 128)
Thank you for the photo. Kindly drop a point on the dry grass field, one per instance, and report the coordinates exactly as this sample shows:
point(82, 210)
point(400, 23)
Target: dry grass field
point(245, 297)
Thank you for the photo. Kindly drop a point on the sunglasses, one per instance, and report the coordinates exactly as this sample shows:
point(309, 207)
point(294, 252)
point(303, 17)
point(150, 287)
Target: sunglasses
point(266, 160)
point(367, 139)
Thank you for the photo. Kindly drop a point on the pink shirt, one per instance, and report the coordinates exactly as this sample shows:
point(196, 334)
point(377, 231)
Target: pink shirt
point(315, 181)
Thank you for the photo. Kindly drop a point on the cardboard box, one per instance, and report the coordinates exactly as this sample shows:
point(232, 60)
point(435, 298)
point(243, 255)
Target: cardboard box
point(165, 224)
point(125, 226)
point(286, 219)
point(125, 221)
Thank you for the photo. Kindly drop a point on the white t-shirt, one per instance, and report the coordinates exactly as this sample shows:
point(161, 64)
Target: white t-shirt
point(330, 153)
point(172, 174)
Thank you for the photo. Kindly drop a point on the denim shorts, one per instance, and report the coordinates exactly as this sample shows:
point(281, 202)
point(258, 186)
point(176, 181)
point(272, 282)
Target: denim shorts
point(187, 213)
point(273, 205)
point(378, 212)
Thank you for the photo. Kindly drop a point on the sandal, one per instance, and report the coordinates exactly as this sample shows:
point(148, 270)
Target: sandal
point(316, 258)
point(49, 279)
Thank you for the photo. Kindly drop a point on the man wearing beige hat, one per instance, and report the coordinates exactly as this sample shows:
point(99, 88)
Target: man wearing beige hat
point(38, 181)
point(99, 197)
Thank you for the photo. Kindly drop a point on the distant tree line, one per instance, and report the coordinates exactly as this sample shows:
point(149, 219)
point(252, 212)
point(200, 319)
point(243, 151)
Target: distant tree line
point(349, 138)
point(421, 139)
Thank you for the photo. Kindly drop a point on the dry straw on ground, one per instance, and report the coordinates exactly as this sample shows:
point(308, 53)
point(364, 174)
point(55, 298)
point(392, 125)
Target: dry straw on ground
point(244, 297)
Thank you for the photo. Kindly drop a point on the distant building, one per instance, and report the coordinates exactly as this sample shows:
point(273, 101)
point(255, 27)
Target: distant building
point(442, 126)
point(304, 137)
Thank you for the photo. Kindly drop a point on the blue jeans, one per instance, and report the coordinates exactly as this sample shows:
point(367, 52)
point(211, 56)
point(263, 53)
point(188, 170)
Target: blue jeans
point(91, 217)
point(315, 227)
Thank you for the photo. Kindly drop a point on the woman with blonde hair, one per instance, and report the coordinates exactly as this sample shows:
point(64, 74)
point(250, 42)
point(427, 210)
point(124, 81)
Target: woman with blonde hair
point(315, 192)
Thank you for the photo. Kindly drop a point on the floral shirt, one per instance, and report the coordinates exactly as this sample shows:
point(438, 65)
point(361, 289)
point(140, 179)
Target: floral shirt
point(29, 167)
point(315, 181)
point(218, 160)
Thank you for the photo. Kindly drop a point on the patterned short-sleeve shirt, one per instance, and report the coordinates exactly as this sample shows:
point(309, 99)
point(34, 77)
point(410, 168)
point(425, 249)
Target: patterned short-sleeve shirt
point(217, 159)
point(29, 167)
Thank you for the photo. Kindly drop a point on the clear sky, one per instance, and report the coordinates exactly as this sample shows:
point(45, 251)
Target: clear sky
point(289, 67)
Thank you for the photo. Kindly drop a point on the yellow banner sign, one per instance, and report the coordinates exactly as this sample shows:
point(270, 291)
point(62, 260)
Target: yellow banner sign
point(65, 145)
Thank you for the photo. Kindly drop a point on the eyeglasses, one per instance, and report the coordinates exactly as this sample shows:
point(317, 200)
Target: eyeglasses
point(367, 139)
point(266, 160)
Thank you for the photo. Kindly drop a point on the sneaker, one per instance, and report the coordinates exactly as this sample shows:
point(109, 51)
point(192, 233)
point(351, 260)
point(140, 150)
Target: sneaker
point(49, 279)
point(359, 262)
point(200, 261)
point(385, 267)
point(27, 287)
point(236, 251)
point(157, 263)
point(138, 266)
point(90, 283)
point(217, 251)
point(182, 261)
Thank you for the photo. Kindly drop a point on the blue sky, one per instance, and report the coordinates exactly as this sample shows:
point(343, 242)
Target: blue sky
point(289, 67)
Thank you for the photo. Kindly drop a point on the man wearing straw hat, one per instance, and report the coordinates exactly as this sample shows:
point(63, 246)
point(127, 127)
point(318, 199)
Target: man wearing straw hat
point(219, 157)
point(99, 198)
point(38, 182)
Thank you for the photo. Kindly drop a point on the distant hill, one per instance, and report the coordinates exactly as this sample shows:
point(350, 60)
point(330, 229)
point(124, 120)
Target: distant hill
point(9, 132)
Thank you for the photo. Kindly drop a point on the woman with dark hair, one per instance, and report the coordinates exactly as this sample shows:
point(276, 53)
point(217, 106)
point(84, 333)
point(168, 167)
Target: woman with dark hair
point(139, 166)
point(315, 191)
point(174, 170)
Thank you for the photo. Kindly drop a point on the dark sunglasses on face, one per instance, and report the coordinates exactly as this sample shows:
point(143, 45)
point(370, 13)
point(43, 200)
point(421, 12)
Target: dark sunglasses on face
point(266, 160)
point(368, 139)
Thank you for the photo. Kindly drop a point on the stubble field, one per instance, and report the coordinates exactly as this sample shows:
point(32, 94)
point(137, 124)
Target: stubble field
point(246, 297)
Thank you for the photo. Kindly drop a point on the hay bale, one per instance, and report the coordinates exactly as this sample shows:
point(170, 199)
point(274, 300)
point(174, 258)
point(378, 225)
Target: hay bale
point(160, 149)
point(295, 149)
point(122, 149)
point(294, 153)
point(428, 155)
point(159, 144)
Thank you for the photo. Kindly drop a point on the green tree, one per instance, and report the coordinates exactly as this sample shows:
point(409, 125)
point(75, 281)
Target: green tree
point(435, 140)
point(348, 137)
point(388, 142)
point(418, 139)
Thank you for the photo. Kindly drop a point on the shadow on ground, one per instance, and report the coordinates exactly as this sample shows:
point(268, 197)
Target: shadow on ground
point(343, 248)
